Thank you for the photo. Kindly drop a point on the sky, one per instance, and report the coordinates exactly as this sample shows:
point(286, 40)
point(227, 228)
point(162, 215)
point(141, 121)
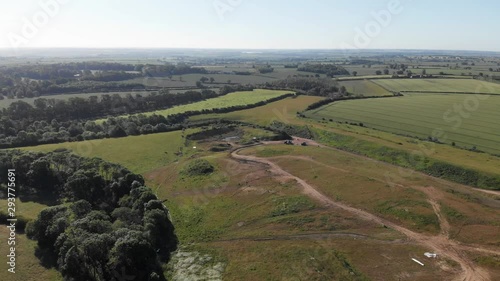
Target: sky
point(251, 24)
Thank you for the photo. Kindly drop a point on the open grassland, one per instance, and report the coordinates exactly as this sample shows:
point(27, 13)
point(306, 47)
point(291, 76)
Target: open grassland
point(137, 153)
point(426, 115)
point(283, 110)
point(360, 182)
point(262, 228)
point(28, 267)
point(440, 85)
point(27, 210)
point(226, 101)
point(364, 88)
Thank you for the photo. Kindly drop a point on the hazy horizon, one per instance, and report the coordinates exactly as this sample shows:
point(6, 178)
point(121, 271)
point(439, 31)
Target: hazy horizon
point(250, 25)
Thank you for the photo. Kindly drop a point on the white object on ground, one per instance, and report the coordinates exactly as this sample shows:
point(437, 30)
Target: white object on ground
point(415, 260)
point(430, 255)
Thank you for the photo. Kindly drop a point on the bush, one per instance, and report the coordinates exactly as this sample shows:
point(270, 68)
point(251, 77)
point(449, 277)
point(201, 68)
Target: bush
point(199, 167)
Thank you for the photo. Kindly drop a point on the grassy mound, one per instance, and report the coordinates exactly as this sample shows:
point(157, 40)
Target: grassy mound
point(198, 167)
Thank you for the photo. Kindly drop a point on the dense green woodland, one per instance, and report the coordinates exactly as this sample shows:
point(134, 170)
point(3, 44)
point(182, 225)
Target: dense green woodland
point(330, 70)
point(105, 216)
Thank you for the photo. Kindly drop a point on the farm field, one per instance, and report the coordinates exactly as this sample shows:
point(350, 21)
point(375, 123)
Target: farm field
point(189, 80)
point(420, 115)
point(439, 85)
point(365, 71)
point(364, 88)
point(283, 111)
point(232, 99)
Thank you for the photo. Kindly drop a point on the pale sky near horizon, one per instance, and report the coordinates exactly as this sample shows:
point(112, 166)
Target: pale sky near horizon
point(251, 24)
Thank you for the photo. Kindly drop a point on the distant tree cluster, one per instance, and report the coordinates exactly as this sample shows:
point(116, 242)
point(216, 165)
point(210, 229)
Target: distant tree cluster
point(110, 224)
point(309, 86)
point(264, 70)
point(330, 70)
point(242, 72)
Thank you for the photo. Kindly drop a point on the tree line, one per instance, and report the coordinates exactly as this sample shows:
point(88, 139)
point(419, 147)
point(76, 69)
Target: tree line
point(43, 132)
point(77, 108)
point(109, 224)
point(26, 88)
point(313, 87)
point(330, 70)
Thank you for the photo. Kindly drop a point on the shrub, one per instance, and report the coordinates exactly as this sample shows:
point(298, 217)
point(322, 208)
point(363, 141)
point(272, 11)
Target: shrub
point(199, 167)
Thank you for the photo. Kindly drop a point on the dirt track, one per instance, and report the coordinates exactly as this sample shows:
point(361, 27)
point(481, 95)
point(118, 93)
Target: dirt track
point(441, 243)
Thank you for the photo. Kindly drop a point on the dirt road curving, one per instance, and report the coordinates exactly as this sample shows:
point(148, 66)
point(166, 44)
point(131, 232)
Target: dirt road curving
point(440, 243)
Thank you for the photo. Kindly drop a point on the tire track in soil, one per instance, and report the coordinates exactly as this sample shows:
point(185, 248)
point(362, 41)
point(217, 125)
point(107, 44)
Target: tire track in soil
point(440, 243)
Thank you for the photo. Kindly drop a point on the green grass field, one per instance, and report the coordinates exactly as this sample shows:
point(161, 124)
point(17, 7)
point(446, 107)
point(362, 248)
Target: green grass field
point(138, 153)
point(232, 99)
point(28, 267)
point(420, 114)
point(364, 88)
point(283, 111)
point(440, 85)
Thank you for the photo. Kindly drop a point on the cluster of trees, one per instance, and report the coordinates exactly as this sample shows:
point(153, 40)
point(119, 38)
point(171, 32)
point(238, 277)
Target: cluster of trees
point(242, 73)
point(204, 79)
point(110, 224)
point(264, 70)
point(309, 86)
point(330, 70)
point(42, 132)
